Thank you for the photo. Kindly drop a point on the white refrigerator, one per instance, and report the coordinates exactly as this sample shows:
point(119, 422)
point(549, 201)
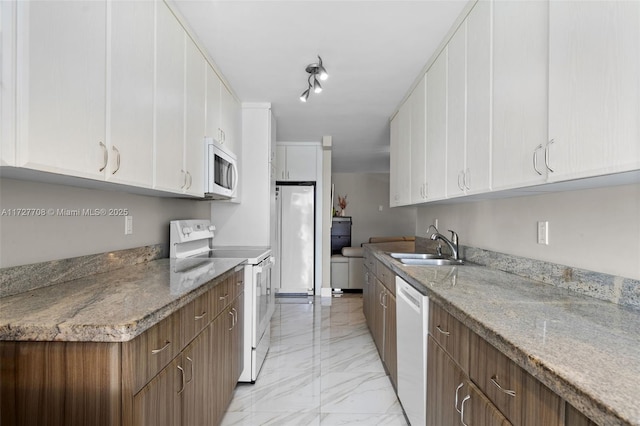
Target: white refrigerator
point(295, 231)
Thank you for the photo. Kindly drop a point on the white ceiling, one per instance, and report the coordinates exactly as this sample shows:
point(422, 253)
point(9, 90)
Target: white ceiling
point(373, 51)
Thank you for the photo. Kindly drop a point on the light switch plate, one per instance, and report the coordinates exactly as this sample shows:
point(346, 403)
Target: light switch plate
point(128, 225)
point(543, 232)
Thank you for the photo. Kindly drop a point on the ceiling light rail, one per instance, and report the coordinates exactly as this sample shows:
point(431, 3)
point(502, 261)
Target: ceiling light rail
point(316, 71)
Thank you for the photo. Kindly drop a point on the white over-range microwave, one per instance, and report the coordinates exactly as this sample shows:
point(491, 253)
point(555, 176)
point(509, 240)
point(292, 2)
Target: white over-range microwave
point(221, 171)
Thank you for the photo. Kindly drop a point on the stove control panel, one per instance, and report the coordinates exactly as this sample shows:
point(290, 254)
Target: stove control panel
point(190, 237)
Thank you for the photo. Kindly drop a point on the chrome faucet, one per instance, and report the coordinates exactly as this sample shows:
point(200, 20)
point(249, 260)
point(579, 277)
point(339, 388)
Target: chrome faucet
point(453, 244)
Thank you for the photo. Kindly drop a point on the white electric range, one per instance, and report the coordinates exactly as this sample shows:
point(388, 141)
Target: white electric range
point(193, 240)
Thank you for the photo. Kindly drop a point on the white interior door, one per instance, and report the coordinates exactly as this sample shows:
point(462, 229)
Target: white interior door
point(297, 239)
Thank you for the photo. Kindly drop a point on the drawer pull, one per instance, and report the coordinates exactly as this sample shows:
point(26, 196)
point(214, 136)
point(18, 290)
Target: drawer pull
point(202, 315)
point(466, 398)
point(509, 392)
point(157, 351)
point(456, 402)
point(181, 380)
point(446, 333)
point(191, 365)
point(223, 297)
point(233, 321)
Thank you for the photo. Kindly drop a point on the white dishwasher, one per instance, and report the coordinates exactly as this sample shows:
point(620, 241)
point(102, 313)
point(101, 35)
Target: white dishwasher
point(412, 327)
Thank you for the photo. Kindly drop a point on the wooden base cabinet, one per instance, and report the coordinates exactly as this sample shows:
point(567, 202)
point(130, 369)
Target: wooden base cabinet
point(379, 305)
point(182, 371)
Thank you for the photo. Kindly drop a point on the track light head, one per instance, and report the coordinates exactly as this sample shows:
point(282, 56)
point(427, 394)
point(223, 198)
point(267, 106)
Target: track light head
point(322, 71)
point(304, 96)
point(317, 88)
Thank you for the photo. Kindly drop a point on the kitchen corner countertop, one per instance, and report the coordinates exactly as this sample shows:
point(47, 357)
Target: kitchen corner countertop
point(584, 349)
point(113, 306)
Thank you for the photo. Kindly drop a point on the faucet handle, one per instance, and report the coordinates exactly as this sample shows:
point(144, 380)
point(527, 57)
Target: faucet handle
point(454, 236)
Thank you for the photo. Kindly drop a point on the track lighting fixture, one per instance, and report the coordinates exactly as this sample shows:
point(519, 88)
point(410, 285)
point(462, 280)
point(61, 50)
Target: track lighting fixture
point(315, 70)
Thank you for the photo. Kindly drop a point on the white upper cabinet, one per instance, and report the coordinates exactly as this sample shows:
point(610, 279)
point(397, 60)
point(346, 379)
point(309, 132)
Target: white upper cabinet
point(296, 162)
point(213, 105)
point(594, 88)
point(520, 63)
point(436, 153)
point(477, 172)
point(170, 103)
point(230, 113)
point(61, 97)
point(456, 113)
point(196, 67)
point(418, 141)
point(130, 141)
point(400, 157)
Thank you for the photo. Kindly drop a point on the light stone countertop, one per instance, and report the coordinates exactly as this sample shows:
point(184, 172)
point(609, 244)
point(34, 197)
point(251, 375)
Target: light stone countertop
point(113, 306)
point(584, 349)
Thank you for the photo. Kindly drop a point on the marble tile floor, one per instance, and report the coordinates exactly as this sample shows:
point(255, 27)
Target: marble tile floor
point(322, 369)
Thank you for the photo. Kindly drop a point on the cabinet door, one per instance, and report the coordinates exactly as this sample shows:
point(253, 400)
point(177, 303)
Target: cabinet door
point(169, 103)
point(196, 67)
point(61, 91)
point(159, 402)
point(378, 317)
point(281, 162)
point(418, 144)
point(594, 88)
point(456, 112)
point(229, 119)
point(198, 389)
point(131, 95)
point(237, 347)
point(436, 128)
point(520, 66)
point(390, 339)
point(394, 151)
point(477, 175)
point(479, 411)
point(212, 125)
point(403, 162)
point(301, 163)
point(446, 387)
point(451, 334)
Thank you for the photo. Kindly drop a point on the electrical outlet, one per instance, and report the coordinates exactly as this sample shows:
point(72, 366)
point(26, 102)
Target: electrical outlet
point(543, 232)
point(128, 225)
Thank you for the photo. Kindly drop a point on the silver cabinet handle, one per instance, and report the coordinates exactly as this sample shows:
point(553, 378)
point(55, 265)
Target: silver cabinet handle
point(117, 160)
point(202, 315)
point(106, 156)
point(181, 380)
point(223, 297)
point(467, 174)
point(232, 321)
point(466, 398)
point(509, 392)
point(547, 155)
point(184, 174)
point(535, 159)
point(189, 179)
point(191, 368)
point(461, 180)
point(157, 351)
point(446, 333)
point(456, 401)
point(235, 316)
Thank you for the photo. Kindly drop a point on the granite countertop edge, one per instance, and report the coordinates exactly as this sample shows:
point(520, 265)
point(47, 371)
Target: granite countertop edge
point(582, 398)
point(118, 325)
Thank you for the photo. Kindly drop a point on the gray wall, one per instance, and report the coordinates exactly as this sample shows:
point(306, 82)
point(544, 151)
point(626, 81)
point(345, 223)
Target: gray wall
point(595, 229)
point(366, 192)
point(25, 240)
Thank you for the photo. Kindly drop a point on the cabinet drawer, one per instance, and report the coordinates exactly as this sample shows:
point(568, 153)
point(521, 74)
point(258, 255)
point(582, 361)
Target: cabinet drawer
point(151, 351)
point(518, 395)
point(369, 261)
point(236, 284)
point(386, 276)
point(222, 294)
point(451, 334)
point(341, 228)
point(194, 317)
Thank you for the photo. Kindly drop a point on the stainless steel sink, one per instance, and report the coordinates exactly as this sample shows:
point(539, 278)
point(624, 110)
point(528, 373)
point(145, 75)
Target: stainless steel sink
point(425, 259)
point(415, 256)
point(434, 261)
